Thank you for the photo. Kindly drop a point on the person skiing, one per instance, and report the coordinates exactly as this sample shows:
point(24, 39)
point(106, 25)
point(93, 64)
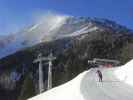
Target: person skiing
point(99, 73)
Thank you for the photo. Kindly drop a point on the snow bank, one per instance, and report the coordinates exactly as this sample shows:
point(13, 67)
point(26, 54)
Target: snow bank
point(68, 91)
point(125, 73)
point(117, 84)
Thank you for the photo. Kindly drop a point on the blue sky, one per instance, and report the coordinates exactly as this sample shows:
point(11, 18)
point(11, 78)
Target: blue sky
point(15, 14)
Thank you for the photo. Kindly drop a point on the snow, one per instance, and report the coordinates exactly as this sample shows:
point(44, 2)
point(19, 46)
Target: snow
point(125, 73)
point(86, 86)
point(82, 31)
point(68, 91)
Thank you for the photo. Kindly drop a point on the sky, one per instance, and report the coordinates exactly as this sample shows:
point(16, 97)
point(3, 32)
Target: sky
point(17, 14)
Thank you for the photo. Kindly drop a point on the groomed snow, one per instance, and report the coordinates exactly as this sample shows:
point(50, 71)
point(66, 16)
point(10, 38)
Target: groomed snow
point(117, 84)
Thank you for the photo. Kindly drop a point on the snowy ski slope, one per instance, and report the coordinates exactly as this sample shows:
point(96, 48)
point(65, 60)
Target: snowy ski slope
point(117, 84)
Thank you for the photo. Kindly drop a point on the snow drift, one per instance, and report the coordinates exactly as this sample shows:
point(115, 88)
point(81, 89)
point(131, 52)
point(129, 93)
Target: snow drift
point(117, 84)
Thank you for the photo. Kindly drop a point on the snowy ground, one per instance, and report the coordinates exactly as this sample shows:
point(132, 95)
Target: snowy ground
point(117, 84)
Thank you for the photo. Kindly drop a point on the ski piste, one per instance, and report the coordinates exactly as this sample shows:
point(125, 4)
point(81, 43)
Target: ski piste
point(117, 84)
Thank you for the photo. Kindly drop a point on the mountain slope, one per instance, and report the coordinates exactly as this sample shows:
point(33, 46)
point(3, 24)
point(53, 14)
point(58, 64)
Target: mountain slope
point(86, 86)
point(53, 27)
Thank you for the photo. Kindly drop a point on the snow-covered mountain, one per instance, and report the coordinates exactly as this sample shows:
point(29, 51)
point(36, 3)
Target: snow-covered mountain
point(73, 40)
point(53, 27)
point(117, 84)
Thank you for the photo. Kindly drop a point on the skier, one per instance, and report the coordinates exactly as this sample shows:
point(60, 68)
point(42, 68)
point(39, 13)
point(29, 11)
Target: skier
point(99, 73)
